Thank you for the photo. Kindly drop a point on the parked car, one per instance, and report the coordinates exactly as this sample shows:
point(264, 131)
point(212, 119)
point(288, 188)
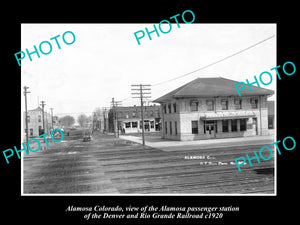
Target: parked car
point(87, 136)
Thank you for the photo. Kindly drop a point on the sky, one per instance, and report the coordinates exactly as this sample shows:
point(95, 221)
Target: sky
point(105, 60)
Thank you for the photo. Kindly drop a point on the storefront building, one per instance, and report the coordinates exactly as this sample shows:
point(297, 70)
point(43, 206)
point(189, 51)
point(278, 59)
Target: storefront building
point(130, 119)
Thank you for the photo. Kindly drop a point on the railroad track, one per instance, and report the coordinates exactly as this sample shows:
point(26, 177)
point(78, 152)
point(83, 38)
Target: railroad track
point(111, 165)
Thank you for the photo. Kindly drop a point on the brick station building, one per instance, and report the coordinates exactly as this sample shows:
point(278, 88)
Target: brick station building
point(211, 108)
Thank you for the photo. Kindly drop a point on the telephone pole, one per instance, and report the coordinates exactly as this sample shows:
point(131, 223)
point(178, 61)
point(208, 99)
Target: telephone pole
point(51, 118)
point(115, 104)
point(104, 120)
point(140, 90)
point(26, 116)
point(43, 104)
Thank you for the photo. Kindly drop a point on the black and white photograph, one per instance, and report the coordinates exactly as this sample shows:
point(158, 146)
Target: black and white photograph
point(149, 113)
point(141, 109)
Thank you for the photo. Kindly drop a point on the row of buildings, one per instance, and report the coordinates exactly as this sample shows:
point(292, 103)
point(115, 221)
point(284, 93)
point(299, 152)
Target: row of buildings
point(129, 119)
point(201, 109)
point(36, 123)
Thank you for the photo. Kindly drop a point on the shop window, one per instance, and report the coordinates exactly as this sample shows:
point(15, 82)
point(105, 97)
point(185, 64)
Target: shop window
point(127, 125)
point(152, 124)
point(195, 127)
point(134, 124)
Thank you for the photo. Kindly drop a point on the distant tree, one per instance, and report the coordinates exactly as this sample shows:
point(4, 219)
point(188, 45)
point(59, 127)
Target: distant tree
point(67, 121)
point(82, 119)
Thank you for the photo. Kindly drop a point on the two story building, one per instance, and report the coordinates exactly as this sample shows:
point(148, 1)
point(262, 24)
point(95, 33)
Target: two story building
point(35, 122)
point(130, 118)
point(211, 108)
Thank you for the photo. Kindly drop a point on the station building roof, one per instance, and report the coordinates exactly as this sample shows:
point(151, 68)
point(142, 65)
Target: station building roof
point(212, 87)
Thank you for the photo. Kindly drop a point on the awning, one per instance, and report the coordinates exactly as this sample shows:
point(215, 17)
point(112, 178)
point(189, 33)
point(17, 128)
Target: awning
point(227, 115)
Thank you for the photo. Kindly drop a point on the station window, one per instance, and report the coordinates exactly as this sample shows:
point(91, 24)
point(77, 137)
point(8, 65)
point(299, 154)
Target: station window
point(224, 103)
point(233, 125)
point(210, 105)
point(270, 122)
point(254, 103)
point(243, 123)
point(169, 108)
point(225, 125)
point(237, 103)
point(194, 127)
point(166, 127)
point(194, 105)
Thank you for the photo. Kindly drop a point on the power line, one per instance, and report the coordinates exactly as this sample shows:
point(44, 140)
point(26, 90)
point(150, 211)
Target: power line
point(73, 113)
point(211, 64)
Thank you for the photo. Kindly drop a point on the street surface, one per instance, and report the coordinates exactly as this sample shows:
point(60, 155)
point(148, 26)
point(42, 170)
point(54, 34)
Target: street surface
point(109, 165)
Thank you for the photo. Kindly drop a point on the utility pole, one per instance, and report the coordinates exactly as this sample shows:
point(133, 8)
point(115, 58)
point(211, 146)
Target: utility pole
point(51, 118)
point(26, 116)
point(104, 120)
point(43, 104)
point(115, 104)
point(139, 90)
